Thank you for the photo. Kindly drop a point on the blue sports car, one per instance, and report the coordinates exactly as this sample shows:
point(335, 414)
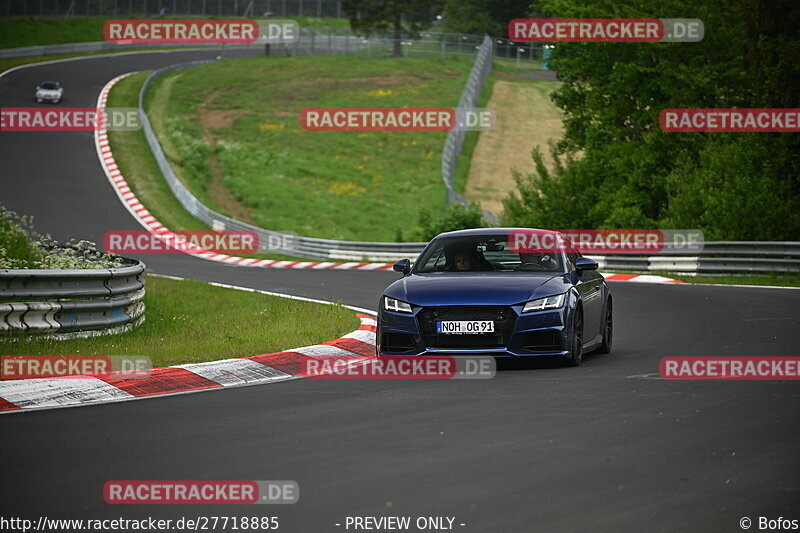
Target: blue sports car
point(496, 291)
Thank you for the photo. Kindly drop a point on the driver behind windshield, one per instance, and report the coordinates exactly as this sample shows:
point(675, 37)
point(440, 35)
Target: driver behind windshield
point(538, 261)
point(467, 259)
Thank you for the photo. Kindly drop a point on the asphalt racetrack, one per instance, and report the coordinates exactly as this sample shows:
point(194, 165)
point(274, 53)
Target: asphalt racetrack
point(607, 446)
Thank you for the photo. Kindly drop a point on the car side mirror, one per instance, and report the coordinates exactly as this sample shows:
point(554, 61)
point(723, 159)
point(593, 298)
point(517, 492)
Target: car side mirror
point(584, 263)
point(403, 266)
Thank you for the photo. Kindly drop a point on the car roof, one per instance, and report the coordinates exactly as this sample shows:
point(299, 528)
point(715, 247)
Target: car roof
point(491, 231)
point(53, 82)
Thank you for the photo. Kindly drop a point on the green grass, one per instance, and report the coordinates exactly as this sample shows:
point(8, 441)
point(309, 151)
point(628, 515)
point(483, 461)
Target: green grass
point(318, 22)
point(20, 32)
point(342, 185)
point(139, 167)
point(16, 33)
point(509, 66)
point(192, 321)
point(777, 279)
point(141, 172)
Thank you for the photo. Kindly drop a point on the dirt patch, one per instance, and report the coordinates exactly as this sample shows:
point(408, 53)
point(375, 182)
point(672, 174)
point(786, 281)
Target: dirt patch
point(219, 118)
point(547, 75)
point(217, 191)
point(379, 80)
point(305, 89)
point(371, 81)
point(525, 118)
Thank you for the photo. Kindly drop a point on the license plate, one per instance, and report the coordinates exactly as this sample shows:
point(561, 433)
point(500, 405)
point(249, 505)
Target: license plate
point(464, 327)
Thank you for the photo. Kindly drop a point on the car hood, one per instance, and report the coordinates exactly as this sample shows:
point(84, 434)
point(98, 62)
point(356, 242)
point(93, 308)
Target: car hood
point(47, 91)
point(477, 288)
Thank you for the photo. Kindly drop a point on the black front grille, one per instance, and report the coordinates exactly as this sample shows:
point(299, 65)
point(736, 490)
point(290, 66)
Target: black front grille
point(504, 319)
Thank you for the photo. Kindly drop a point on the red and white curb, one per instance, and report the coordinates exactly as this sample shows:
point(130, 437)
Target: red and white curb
point(50, 393)
point(639, 278)
point(150, 223)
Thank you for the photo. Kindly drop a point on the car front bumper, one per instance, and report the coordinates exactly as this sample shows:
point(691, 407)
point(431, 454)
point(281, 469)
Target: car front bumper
point(540, 333)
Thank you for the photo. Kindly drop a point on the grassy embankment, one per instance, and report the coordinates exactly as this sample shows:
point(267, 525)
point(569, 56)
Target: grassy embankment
point(231, 130)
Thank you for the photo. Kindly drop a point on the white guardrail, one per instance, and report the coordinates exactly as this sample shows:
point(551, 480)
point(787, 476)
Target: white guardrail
point(719, 257)
point(71, 303)
point(469, 97)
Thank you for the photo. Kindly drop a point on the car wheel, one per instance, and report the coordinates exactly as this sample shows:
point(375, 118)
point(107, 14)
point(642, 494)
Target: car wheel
point(608, 332)
point(575, 355)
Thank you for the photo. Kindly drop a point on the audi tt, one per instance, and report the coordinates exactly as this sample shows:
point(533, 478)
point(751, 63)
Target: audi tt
point(507, 292)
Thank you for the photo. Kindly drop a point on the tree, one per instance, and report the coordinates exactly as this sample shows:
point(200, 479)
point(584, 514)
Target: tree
point(483, 16)
point(623, 171)
point(455, 217)
point(402, 18)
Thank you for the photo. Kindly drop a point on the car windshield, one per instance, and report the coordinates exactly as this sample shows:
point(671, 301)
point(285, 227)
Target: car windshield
point(49, 85)
point(483, 253)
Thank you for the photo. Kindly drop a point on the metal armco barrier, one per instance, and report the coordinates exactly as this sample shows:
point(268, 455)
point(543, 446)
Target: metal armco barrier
point(71, 303)
point(455, 137)
point(720, 257)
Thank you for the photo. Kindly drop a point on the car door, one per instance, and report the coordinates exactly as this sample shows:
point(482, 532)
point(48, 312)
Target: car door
point(589, 286)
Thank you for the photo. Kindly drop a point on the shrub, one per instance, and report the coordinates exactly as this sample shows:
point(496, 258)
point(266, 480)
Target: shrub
point(21, 247)
point(455, 217)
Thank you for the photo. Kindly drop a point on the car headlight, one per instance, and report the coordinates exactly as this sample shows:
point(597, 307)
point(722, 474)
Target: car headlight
point(551, 302)
point(399, 306)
